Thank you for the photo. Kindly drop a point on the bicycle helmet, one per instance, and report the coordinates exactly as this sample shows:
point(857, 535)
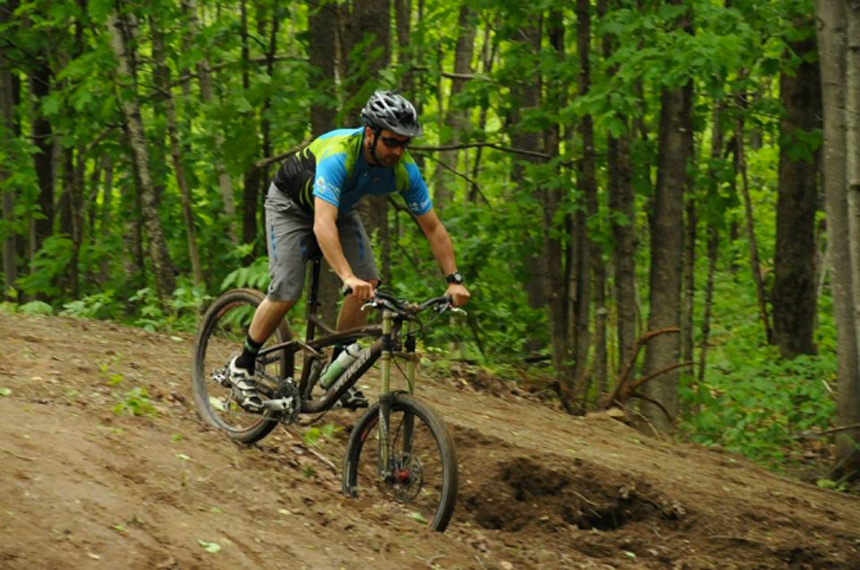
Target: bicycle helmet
point(390, 110)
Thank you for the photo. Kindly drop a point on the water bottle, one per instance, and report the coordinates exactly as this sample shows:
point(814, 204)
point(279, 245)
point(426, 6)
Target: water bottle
point(346, 357)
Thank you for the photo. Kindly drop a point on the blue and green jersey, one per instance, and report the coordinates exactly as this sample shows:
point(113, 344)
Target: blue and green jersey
point(333, 169)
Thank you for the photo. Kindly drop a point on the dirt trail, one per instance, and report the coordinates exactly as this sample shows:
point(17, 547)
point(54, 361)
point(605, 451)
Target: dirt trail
point(83, 487)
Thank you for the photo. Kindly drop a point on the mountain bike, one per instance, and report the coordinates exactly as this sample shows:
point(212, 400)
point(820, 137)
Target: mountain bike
point(400, 451)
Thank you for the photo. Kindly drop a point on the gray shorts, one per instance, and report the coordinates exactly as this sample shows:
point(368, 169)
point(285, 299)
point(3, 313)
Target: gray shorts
point(290, 237)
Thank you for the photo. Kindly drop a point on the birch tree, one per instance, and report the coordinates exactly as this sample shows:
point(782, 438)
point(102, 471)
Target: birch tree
point(162, 267)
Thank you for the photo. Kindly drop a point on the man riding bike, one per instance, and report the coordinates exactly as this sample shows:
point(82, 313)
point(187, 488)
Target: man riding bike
point(314, 194)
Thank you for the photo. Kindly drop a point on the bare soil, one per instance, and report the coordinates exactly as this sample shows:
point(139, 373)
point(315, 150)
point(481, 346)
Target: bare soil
point(82, 486)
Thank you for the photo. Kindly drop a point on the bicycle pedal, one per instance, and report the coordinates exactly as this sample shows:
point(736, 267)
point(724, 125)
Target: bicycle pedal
point(222, 378)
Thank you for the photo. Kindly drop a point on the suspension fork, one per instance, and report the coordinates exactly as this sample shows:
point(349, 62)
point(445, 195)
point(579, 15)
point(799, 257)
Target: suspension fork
point(386, 399)
point(385, 396)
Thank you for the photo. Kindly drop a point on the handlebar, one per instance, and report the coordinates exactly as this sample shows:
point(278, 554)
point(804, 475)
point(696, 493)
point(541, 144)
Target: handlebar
point(405, 308)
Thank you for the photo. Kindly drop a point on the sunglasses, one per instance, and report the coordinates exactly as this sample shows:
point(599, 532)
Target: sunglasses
point(391, 142)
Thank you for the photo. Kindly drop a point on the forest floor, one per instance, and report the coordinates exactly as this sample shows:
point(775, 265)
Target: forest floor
point(83, 487)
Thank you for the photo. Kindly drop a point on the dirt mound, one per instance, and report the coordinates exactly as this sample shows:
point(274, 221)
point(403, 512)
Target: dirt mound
point(86, 484)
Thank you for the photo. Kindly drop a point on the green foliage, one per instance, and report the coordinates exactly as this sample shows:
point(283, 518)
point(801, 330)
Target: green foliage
point(254, 276)
point(48, 266)
point(179, 313)
point(36, 308)
point(756, 404)
point(95, 306)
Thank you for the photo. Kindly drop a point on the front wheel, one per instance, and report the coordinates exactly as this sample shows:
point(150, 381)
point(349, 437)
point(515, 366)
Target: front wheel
point(420, 480)
point(219, 338)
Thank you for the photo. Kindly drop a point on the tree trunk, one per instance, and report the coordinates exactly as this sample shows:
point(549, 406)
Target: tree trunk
point(162, 267)
point(322, 48)
point(713, 239)
point(667, 222)
point(541, 292)
point(622, 206)
point(253, 176)
point(225, 183)
point(365, 41)
point(584, 247)
point(622, 198)
point(7, 102)
point(839, 54)
point(106, 216)
point(667, 234)
point(550, 281)
point(691, 227)
point(134, 266)
point(755, 265)
point(321, 14)
point(794, 289)
point(403, 20)
point(487, 59)
point(78, 216)
point(43, 139)
point(162, 74)
point(456, 120)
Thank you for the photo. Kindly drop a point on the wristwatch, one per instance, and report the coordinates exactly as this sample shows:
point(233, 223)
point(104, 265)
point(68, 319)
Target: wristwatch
point(455, 278)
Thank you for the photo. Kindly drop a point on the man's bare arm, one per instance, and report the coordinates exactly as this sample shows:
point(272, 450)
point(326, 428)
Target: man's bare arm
point(325, 228)
point(443, 251)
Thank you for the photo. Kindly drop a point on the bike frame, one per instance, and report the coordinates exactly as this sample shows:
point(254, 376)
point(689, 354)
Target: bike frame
point(384, 348)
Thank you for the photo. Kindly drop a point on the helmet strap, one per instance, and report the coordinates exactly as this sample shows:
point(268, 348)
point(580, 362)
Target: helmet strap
point(376, 133)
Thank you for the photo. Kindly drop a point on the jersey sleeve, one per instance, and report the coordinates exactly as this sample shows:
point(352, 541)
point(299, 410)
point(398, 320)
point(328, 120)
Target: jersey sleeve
point(416, 195)
point(330, 178)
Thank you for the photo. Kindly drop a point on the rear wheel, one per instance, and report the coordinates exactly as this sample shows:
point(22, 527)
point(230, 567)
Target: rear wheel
point(219, 338)
point(420, 480)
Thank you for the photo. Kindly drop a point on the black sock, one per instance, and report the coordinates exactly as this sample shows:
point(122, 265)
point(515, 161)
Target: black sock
point(249, 354)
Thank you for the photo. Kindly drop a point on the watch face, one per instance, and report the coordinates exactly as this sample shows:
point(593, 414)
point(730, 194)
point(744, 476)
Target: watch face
point(456, 278)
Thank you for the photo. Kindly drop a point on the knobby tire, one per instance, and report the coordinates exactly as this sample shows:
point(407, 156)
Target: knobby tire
point(360, 476)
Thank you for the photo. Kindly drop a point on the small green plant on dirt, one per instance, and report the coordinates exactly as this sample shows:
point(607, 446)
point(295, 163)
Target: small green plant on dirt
point(113, 378)
point(834, 485)
point(210, 547)
point(135, 402)
point(309, 472)
point(313, 435)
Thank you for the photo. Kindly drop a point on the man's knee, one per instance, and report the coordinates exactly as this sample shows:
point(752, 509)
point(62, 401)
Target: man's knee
point(278, 305)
